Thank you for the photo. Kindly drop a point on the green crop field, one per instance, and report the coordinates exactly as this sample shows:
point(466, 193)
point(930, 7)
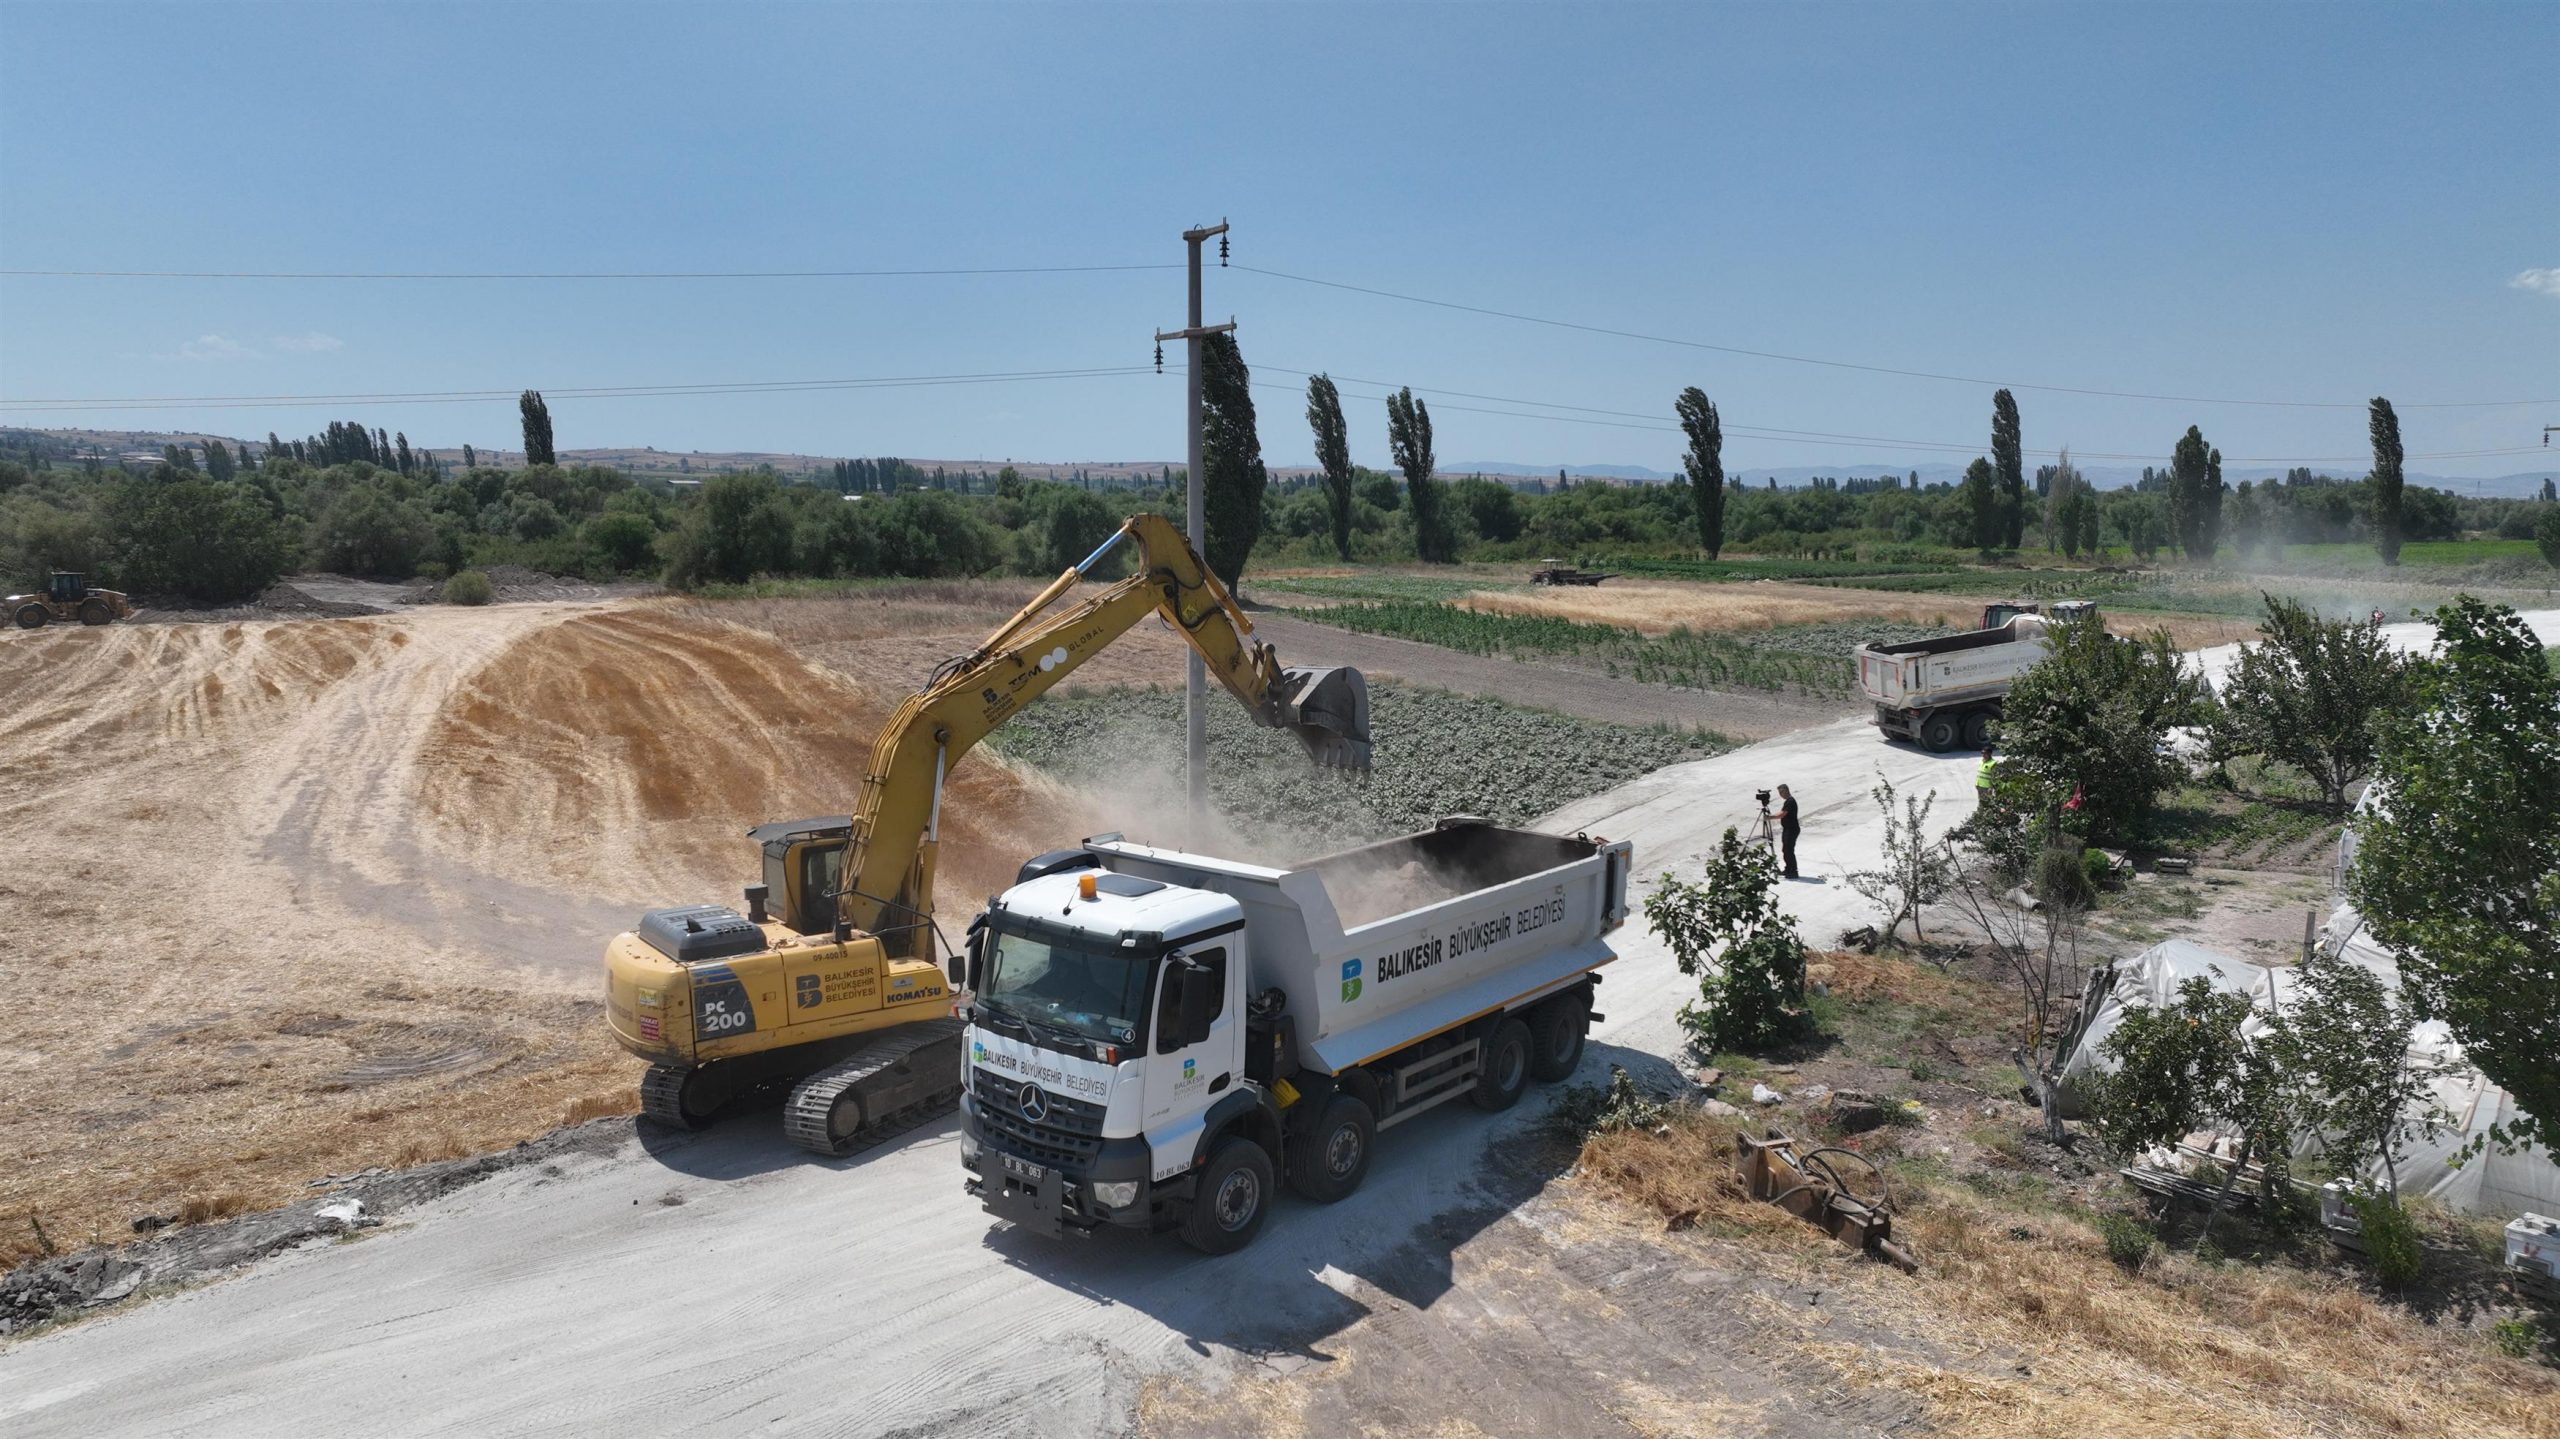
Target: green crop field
point(1809, 657)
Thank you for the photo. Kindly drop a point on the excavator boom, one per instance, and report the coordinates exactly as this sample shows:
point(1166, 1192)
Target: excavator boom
point(853, 1014)
point(888, 864)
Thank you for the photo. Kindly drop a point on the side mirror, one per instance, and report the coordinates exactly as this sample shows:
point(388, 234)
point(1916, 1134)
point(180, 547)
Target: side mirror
point(977, 946)
point(1196, 1001)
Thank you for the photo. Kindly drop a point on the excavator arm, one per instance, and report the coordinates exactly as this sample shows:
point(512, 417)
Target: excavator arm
point(888, 871)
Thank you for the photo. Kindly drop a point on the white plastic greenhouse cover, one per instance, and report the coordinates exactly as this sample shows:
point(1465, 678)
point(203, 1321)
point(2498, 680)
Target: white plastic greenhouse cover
point(2490, 1183)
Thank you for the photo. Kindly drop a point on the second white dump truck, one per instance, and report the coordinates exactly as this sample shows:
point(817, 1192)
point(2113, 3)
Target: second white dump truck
point(1157, 1039)
point(1947, 691)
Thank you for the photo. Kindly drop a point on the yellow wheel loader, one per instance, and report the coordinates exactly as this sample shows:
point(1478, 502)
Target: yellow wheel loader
point(67, 597)
point(831, 980)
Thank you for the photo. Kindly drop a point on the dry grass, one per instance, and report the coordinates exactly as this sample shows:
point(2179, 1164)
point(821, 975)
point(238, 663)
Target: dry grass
point(599, 1106)
point(204, 1208)
point(2045, 1336)
point(1657, 607)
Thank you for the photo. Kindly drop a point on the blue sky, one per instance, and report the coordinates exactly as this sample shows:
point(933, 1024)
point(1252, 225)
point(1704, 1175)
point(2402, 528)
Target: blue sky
point(2262, 201)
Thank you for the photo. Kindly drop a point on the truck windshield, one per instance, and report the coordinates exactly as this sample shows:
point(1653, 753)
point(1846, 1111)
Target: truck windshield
point(1087, 992)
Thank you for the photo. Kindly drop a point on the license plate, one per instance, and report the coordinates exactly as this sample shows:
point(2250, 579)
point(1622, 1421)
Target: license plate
point(1024, 1169)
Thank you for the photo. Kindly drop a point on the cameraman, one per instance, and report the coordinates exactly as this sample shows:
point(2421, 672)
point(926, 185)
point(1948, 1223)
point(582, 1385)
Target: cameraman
point(1788, 828)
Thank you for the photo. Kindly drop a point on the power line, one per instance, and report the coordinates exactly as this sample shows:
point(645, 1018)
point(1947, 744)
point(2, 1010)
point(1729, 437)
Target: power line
point(1854, 365)
point(572, 274)
point(592, 392)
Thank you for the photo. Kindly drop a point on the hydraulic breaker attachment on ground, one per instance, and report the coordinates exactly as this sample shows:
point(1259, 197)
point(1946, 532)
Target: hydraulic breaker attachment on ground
point(1810, 1187)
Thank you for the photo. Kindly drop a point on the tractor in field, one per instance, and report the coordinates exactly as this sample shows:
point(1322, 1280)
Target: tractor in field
point(66, 597)
point(1557, 572)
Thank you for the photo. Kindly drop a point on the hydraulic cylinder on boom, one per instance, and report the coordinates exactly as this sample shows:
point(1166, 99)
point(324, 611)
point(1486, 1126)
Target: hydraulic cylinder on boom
point(831, 979)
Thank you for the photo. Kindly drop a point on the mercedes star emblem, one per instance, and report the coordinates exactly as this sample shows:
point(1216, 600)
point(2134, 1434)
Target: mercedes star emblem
point(1034, 1103)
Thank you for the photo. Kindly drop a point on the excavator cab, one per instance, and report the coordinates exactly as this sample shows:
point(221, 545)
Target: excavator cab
point(803, 868)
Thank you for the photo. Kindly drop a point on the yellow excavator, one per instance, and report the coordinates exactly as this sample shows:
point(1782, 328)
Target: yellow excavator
point(841, 994)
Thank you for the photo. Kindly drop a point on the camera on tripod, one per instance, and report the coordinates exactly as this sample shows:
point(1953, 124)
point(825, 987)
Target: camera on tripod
point(1761, 795)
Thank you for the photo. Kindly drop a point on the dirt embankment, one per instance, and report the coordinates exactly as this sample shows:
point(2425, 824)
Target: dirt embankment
point(292, 898)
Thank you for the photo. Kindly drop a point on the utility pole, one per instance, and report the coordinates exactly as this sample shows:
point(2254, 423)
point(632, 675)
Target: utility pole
point(1195, 687)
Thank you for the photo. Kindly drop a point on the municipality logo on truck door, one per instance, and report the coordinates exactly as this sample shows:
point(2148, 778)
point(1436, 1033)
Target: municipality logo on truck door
point(1350, 980)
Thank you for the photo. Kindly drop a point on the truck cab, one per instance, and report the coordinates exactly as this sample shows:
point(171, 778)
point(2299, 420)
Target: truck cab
point(1108, 1020)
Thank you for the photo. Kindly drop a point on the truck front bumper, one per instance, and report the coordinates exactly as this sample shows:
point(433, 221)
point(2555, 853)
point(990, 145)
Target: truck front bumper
point(1052, 1199)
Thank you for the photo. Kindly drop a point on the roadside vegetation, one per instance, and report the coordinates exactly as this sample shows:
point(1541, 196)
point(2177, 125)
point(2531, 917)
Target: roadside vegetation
point(2030, 1241)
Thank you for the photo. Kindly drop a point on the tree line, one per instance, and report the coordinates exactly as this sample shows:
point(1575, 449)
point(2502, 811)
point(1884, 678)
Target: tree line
point(361, 498)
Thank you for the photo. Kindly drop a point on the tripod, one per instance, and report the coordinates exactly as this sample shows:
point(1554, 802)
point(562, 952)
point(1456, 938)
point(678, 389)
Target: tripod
point(1765, 832)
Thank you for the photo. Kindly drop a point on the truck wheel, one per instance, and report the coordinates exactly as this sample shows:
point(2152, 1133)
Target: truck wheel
point(1938, 733)
point(1505, 1075)
point(1328, 1162)
point(1556, 1030)
point(1234, 1195)
point(32, 617)
point(1977, 729)
point(95, 612)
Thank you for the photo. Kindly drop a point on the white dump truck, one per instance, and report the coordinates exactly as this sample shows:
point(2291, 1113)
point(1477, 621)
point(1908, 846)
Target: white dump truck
point(1947, 691)
point(1156, 1039)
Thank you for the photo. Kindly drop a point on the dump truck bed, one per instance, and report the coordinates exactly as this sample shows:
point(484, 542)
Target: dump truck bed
point(1952, 669)
point(1381, 945)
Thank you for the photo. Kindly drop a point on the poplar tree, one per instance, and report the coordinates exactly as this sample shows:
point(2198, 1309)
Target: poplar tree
point(1232, 477)
point(2386, 481)
point(1981, 491)
point(1333, 455)
point(537, 429)
point(1705, 464)
point(1409, 441)
point(2009, 459)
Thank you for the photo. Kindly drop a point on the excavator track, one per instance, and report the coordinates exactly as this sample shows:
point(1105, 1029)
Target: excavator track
point(904, 1077)
point(662, 1094)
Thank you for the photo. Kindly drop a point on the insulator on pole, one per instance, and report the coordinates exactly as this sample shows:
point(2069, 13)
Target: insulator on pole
point(1159, 357)
point(1222, 252)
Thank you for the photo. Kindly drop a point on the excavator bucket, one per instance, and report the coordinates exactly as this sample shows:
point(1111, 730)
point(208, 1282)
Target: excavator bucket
point(1328, 710)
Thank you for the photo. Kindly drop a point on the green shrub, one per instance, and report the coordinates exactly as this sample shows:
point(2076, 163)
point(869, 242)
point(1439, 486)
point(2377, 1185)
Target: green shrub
point(2095, 869)
point(2390, 1239)
point(2515, 1338)
point(168, 534)
point(367, 529)
point(1751, 995)
point(2128, 1239)
point(468, 588)
point(2062, 877)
